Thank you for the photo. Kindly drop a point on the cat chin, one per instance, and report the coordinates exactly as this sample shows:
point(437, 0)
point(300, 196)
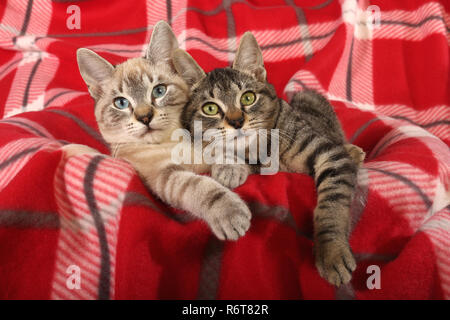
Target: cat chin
point(154, 136)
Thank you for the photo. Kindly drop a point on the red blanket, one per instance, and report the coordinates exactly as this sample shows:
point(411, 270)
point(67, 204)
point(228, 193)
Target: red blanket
point(61, 217)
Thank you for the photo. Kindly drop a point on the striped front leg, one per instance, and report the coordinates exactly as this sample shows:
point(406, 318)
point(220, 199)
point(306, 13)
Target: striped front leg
point(334, 174)
point(223, 210)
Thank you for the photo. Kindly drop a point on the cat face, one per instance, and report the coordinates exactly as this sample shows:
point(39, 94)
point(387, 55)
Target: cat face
point(229, 99)
point(140, 100)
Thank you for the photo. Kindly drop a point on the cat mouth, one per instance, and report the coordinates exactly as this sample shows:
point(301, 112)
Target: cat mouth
point(239, 134)
point(242, 133)
point(149, 131)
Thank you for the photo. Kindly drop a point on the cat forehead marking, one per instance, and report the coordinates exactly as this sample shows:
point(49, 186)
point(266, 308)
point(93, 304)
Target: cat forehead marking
point(137, 77)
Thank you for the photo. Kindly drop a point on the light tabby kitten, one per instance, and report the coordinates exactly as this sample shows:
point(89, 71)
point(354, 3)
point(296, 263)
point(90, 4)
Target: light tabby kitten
point(137, 107)
point(311, 141)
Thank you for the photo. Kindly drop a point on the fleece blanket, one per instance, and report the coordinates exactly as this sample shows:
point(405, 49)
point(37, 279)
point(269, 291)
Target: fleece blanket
point(85, 227)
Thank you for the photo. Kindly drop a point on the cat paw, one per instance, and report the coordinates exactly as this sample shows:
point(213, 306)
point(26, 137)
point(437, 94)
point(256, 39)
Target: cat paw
point(335, 262)
point(230, 176)
point(232, 220)
point(356, 153)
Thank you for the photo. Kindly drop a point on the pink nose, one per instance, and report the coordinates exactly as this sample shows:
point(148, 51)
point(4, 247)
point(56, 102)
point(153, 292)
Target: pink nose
point(145, 119)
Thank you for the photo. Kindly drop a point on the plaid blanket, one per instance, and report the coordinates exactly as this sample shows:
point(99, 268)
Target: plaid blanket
point(85, 227)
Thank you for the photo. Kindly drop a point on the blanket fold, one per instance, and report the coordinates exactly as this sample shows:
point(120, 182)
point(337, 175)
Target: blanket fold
point(85, 226)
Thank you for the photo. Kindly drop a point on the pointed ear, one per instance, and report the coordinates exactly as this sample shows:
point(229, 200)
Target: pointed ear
point(187, 67)
point(249, 57)
point(162, 43)
point(93, 68)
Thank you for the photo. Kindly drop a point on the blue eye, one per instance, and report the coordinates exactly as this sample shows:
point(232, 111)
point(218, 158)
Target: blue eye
point(159, 91)
point(121, 103)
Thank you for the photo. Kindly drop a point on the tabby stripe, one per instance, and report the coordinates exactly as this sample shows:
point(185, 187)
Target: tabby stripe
point(321, 218)
point(216, 197)
point(283, 153)
point(186, 184)
point(344, 182)
point(339, 156)
point(306, 142)
point(325, 232)
point(311, 160)
point(189, 184)
point(333, 172)
point(166, 174)
point(330, 226)
point(335, 197)
point(172, 183)
point(330, 188)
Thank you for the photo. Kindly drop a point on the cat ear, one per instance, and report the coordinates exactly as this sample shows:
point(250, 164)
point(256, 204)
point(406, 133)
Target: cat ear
point(93, 68)
point(162, 43)
point(249, 57)
point(187, 67)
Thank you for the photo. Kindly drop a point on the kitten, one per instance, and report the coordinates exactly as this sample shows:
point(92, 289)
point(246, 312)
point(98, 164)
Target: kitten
point(137, 107)
point(240, 97)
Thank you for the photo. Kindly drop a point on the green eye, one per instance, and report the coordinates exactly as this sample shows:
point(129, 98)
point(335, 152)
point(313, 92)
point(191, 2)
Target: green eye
point(210, 109)
point(248, 98)
point(121, 103)
point(159, 91)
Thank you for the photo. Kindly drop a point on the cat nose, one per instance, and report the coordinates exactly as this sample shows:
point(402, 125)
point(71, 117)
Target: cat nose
point(236, 123)
point(144, 117)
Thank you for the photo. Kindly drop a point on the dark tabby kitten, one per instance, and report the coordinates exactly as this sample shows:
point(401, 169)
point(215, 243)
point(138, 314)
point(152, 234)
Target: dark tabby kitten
point(310, 141)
